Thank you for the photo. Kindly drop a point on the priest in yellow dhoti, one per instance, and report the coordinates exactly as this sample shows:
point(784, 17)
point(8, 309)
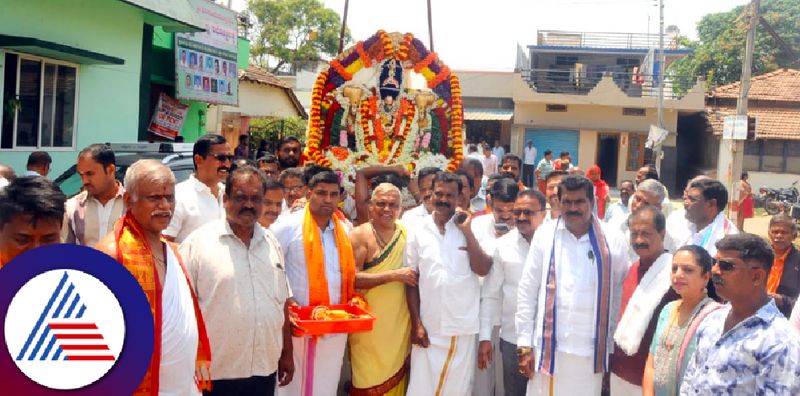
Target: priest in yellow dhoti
point(380, 358)
point(182, 355)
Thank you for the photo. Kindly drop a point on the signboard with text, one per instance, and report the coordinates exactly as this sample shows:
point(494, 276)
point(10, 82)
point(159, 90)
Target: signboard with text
point(205, 62)
point(168, 118)
point(735, 127)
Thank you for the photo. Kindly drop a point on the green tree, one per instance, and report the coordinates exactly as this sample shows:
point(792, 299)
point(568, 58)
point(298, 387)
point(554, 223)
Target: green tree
point(292, 33)
point(274, 129)
point(718, 53)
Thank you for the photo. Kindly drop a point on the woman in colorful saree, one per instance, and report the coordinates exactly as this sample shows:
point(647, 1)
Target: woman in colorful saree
point(674, 341)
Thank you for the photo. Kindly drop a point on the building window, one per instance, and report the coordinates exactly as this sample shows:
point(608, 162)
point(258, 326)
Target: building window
point(772, 156)
point(635, 151)
point(556, 108)
point(633, 111)
point(39, 100)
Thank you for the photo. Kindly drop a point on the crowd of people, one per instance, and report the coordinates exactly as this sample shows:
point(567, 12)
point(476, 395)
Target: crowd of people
point(484, 287)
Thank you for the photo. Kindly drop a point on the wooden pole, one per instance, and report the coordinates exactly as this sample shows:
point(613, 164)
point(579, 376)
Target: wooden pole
point(344, 26)
point(430, 26)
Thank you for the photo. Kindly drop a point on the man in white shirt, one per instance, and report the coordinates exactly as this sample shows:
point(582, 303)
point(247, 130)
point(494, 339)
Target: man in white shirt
point(477, 196)
point(7, 175)
point(705, 204)
point(294, 188)
point(444, 306)
point(237, 271)
point(90, 215)
point(321, 270)
point(487, 229)
point(489, 161)
point(529, 164)
point(568, 298)
point(543, 169)
point(198, 200)
point(677, 225)
point(425, 185)
point(620, 208)
point(650, 192)
point(499, 291)
point(498, 150)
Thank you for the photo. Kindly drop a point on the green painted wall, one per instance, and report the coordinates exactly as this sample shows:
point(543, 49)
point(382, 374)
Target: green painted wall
point(108, 95)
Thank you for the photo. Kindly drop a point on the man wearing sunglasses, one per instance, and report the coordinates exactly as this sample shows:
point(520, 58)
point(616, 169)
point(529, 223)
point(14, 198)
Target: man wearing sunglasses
point(747, 347)
point(499, 291)
point(198, 200)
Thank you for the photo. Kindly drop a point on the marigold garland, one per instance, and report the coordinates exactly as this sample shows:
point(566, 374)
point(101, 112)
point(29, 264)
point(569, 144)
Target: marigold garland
point(425, 62)
point(443, 74)
point(336, 65)
point(362, 55)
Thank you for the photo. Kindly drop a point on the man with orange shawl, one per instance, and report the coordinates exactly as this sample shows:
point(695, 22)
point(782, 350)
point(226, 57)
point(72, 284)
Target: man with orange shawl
point(182, 356)
point(379, 358)
point(321, 271)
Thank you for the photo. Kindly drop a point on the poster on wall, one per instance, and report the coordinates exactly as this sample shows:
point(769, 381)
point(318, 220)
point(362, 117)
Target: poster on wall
point(205, 62)
point(168, 118)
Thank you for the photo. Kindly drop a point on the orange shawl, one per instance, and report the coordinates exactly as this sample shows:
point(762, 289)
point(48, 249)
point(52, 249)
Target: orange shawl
point(134, 253)
point(315, 261)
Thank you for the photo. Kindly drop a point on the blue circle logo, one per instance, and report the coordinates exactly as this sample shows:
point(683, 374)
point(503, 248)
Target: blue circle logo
point(75, 321)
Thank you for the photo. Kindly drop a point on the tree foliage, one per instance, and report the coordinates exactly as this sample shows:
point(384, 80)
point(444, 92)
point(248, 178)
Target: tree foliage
point(274, 129)
point(292, 33)
point(718, 53)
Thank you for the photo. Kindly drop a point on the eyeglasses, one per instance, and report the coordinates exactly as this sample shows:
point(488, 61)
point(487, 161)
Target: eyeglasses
point(525, 212)
point(223, 157)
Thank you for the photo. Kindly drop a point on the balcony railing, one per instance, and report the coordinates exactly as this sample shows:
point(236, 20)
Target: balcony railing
point(559, 38)
point(580, 82)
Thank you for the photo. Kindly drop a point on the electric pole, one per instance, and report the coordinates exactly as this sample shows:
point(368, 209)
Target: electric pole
point(731, 152)
point(661, 71)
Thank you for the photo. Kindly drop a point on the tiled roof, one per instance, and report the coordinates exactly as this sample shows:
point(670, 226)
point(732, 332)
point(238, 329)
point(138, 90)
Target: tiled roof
point(782, 85)
point(772, 122)
point(258, 75)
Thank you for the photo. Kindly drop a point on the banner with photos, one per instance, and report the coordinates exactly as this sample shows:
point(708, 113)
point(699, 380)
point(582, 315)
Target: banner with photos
point(205, 62)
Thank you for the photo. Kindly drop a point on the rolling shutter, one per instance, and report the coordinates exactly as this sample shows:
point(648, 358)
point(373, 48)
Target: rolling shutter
point(553, 139)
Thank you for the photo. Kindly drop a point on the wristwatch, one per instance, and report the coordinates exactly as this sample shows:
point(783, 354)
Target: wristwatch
point(524, 350)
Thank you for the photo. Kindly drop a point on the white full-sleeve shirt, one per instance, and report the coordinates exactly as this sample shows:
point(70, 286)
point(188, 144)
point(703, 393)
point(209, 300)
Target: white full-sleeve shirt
point(449, 291)
point(499, 290)
point(576, 282)
point(195, 206)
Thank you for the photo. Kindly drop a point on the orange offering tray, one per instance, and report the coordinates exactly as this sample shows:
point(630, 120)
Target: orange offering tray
point(361, 320)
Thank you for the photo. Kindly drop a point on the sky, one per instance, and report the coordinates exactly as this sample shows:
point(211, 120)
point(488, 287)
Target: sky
point(483, 35)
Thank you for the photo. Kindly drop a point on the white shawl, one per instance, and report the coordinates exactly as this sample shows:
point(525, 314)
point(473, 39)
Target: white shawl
point(642, 305)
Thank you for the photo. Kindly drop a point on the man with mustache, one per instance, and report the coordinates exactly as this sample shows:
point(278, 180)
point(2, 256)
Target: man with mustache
point(273, 199)
point(444, 306)
point(288, 152)
point(499, 291)
point(677, 224)
point(90, 215)
point(620, 208)
point(645, 291)
point(476, 197)
point(31, 214)
point(783, 284)
point(747, 347)
point(648, 193)
point(425, 185)
point(182, 346)
point(551, 193)
point(705, 204)
point(568, 297)
point(240, 281)
point(379, 358)
point(198, 200)
point(487, 229)
point(294, 188)
point(321, 270)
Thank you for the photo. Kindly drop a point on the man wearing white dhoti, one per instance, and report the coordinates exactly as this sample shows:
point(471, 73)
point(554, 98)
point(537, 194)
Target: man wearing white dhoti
point(321, 270)
point(568, 296)
point(444, 306)
point(238, 274)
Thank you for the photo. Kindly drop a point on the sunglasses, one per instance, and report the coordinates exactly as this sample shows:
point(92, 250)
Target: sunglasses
point(728, 266)
point(526, 212)
point(223, 157)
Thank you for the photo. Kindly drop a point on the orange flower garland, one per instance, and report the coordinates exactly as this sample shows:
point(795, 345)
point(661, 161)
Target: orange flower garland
point(315, 122)
point(362, 55)
point(402, 54)
point(457, 121)
point(443, 74)
point(336, 65)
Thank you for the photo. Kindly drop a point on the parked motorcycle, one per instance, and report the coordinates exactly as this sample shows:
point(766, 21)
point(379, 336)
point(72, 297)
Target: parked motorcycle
point(779, 200)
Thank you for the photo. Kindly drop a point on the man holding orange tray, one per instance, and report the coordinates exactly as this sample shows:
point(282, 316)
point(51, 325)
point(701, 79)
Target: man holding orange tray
point(321, 271)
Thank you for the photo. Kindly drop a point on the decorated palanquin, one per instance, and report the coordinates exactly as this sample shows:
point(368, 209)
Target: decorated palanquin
point(386, 101)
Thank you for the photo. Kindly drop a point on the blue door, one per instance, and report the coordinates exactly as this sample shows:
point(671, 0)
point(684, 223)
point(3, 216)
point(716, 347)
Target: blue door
point(557, 140)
